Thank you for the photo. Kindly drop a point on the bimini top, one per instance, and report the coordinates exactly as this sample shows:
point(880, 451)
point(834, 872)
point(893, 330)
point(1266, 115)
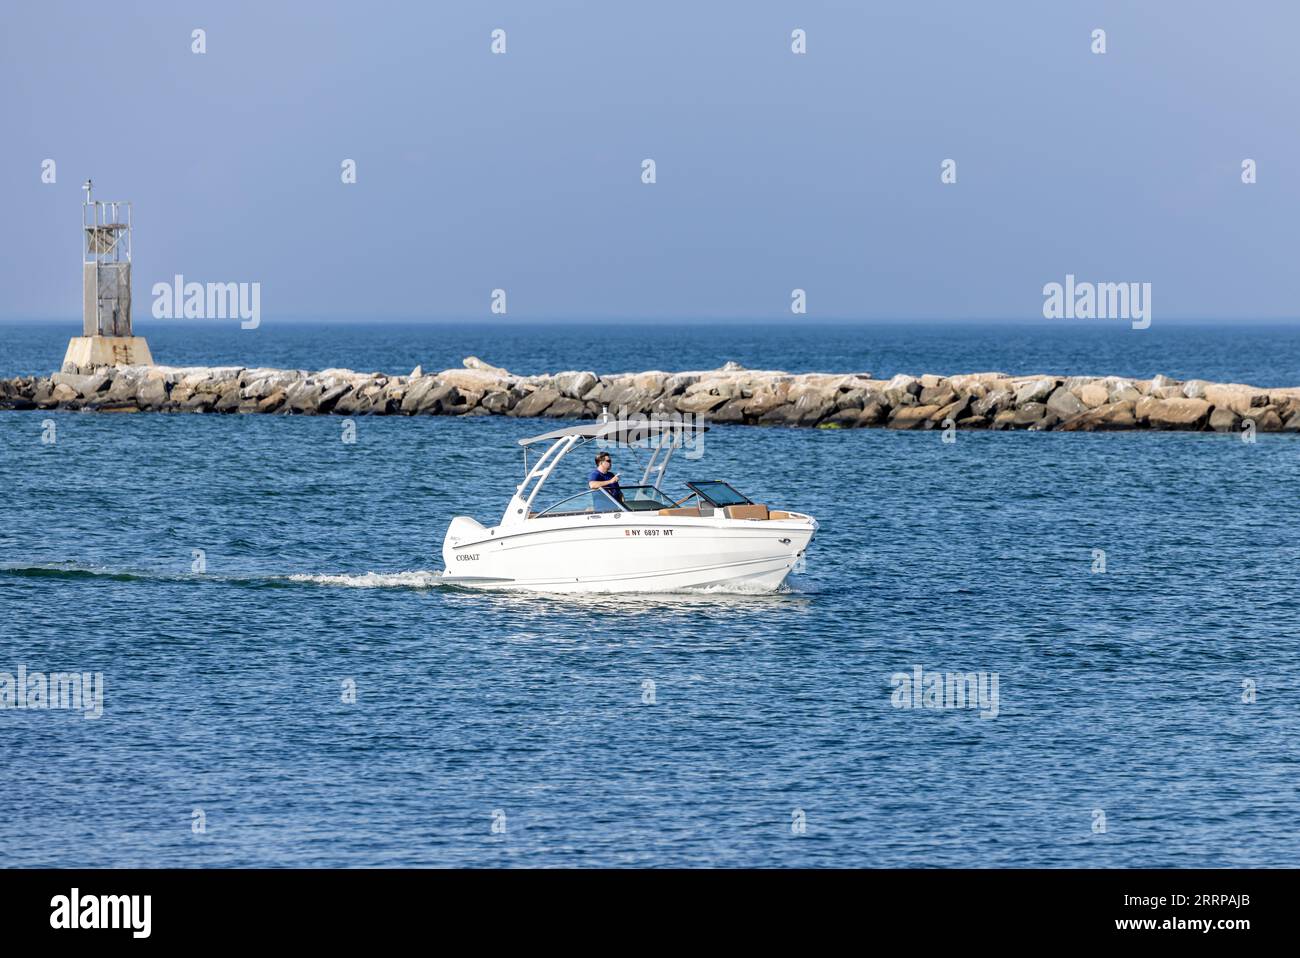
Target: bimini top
point(621, 431)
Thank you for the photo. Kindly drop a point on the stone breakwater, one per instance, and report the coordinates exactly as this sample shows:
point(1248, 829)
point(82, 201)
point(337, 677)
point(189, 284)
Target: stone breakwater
point(731, 394)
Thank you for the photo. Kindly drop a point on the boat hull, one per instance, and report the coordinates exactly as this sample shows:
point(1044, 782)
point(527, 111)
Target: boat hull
point(626, 552)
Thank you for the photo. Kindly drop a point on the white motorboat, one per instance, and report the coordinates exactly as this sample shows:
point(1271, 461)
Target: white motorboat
point(643, 541)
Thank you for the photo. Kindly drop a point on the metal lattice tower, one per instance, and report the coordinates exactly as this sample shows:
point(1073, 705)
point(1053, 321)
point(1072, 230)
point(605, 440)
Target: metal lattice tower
point(106, 267)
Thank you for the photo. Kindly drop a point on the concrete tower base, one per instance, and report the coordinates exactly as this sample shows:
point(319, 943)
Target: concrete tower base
point(86, 351)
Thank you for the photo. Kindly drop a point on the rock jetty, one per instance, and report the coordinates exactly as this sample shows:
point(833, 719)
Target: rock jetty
point(731, 394)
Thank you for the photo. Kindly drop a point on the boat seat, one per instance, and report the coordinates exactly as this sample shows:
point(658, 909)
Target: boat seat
point(751, 511)
point(685, 511)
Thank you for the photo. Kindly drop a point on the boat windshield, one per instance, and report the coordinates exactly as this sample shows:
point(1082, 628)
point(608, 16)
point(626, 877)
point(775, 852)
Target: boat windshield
point(718, 493)
point(645, 499)
point(593, 500)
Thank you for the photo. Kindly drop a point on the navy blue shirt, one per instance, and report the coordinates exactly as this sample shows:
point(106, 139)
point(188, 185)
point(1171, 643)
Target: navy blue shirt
point(598, 476)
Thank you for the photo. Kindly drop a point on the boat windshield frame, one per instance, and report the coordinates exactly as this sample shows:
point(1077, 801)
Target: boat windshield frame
point(694, 487)
point(662, 502)
point(614, 506)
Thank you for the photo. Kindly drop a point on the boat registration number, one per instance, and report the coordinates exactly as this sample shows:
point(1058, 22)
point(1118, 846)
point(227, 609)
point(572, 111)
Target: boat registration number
point(647, 532)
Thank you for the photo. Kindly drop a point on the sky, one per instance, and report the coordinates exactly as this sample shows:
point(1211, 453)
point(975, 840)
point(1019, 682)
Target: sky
point(775, 171)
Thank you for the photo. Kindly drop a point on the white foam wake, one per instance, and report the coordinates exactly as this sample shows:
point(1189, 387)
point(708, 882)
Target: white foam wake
point(418, 579)
point(734, 588)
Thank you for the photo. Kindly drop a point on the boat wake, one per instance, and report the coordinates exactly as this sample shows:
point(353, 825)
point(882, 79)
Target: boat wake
point(374, 580)
point(72, 572)
point(736, 588)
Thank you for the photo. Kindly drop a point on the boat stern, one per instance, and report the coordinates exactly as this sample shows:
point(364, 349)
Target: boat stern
point(458, 552)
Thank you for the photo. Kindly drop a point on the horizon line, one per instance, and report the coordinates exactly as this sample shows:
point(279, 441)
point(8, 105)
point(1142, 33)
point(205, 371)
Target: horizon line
point(804, 319)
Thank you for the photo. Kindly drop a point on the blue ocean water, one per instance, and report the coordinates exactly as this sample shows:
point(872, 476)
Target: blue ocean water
point(1122, 694)
point(1260, 354)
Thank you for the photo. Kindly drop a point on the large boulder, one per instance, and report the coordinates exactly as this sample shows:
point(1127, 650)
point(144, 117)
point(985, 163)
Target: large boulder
point(699, 401)
point(734, 412)
point(44, 394)
point(651, 383)
point(416, 391)
point(993, 402)
point(302, 397)
point(1265, 419)
point(808, 410)
point(353, 403)
point(566, 408)
point(1003, 420)
point(124, 389)
point(913, 417)
point(498, 402)
point(902, 389)
point(575, 385)
point(1224, 419)
point(1035, 391)
point(1166, 392)
point(85, 387)
point(197, 401)
point(1122, 390)
point(1240, 399)
point(476, 380)
point(851, 399)
point(1064, 404)
point(767, 397)
point(331, 396)
point(152, 394)
point(955, 411)
point(1027, 414)
point(813, 407)
point(678, 383)
point(228, 399)
point(473, 362)
point(1173, 413)
point(938, 395)
point(849, 418)
point(1112, 416)
point(442, 399)
point(272, 402)
point(874, 412)
point(623, 394)
point(1093, 395)
point(536, 402)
